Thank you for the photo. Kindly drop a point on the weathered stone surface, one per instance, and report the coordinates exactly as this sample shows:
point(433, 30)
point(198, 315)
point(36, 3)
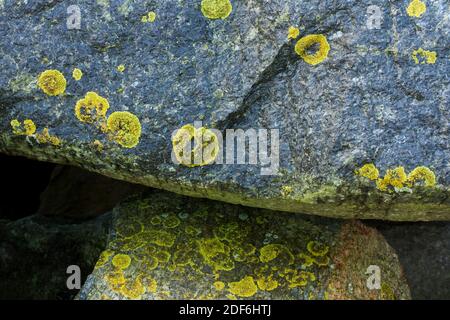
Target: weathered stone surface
point(165, 246)
point(424, 251)
point(35, 253)
point(368, 102)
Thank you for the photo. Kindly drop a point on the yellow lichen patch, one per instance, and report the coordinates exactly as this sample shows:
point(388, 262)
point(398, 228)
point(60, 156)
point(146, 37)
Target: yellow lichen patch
point(393, 177)
point(272, 251)
point(368, 171)
point(299, 279)
point(293, 33)
point(205, 150)
point(416, 8)
point(216, 254)
point(216, 9)
point(28, 128)
point(133, 289)
point(46, 137)
point(121, 261)
point(121, 68)
point(150, 263)
point(321, 261)
point(286, 190)
point(219, 285)
point(244, 288)
point(150, 284)
point(160, 237)
point(91, 108)
point(428, 57)
point(422, 174)
point(103, 259)
point(52, 82)
point(115, 278)
point(305, 260)
point(77, 74)
point(130, 229)
point(317, 249)
point(313, 42)
point(98, 145)
point(171, 222)
point(124, 128)
point(149, 17)
point(162, 256)
point(267, 283)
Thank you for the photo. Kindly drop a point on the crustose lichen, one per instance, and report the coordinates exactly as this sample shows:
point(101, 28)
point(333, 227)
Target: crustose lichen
point(397, 178)
point(91, 108)
point(52, 82)
point(216, 9)
point(27, 129)
point(306, 45)
point(124, 128)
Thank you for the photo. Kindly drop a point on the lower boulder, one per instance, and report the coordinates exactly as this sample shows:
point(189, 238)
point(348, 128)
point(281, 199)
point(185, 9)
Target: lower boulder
point(165, 246)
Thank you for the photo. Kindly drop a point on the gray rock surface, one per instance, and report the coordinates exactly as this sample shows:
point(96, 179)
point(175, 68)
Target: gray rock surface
point(164, 246)
point(368, 102)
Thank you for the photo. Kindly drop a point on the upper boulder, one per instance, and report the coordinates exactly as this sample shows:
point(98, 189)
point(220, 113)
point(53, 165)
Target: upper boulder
point(353, 98)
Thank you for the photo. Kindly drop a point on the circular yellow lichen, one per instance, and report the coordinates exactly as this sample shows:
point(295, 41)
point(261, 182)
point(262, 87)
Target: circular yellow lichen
point(299, 279)
point(149, 17)
point(205, 150)
point(121, 68)
point(305, 260)
point(121, 261)
point(77, 74)
point(133, 289)
point(103, 259)
point(428, 57)
point(271, 251)
point(317, 249)
point(125, 128)
point(393, 177)
point(171, 222)
point(115, 278)
point(267, 283)
point(29, 128)
point(368, 171)
point(309, 42)
point(293, 32)
point(424, 174)
point(46, 137)
point(219, 285)
point(216, 9)
point(52, 82)
point(244, 288)
point(416, 8)
point(91, 108)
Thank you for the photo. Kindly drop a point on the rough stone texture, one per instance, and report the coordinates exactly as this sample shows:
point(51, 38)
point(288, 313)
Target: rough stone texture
point(78, 194)
point(36, 251)
point(165, 246)
point(424, 252)
point(368, 102)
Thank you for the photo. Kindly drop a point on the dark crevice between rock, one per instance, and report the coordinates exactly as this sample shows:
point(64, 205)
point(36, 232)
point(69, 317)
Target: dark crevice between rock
point(52, 217)
point(423, 249)
point(23, 181)
point(285, 56)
